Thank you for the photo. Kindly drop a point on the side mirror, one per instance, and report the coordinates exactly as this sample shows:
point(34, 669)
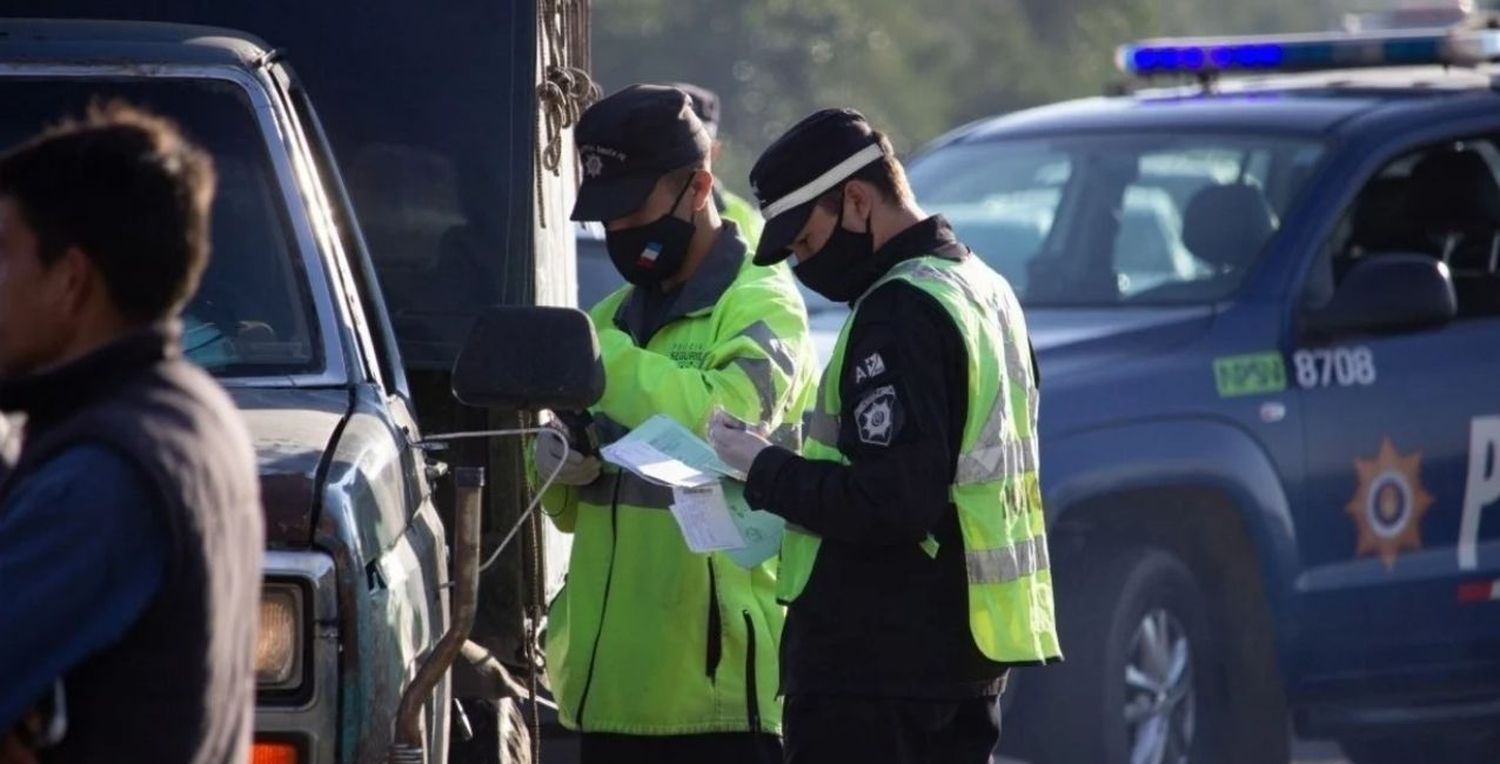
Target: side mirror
point(1386, 292)
point(530, 358)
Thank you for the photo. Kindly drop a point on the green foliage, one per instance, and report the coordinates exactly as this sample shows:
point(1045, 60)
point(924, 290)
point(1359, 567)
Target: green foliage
point(916, 69)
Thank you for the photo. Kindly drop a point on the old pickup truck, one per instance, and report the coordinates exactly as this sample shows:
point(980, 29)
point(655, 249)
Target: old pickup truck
point(362, 607)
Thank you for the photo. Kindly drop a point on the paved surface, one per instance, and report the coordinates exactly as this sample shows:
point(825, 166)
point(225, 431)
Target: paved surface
point(1303, 752)
point(1318, 753)
point(562, 749)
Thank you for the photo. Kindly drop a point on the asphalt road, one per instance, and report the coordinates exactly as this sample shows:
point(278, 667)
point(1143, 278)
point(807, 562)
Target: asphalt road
point(1303, 752)
point(562, 749)
point(1318, 753)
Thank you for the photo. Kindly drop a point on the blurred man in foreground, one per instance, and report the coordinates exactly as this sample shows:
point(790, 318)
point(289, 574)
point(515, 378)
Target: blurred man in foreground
point(130, 525)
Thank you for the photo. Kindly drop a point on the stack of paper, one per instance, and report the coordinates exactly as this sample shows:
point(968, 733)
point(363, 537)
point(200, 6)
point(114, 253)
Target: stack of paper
point(713, 514)
point(663, 451)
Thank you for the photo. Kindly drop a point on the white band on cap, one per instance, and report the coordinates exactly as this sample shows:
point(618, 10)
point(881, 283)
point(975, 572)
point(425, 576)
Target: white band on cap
point(823, 182)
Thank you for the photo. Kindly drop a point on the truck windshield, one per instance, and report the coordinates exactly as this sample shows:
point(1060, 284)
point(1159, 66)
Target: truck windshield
point(251, 316)
point(1101, 220)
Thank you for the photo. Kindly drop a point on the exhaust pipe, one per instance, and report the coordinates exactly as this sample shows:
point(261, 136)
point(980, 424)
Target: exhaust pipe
point(407, 746)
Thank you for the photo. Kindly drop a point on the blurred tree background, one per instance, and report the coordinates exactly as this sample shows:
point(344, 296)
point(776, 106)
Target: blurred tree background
point(917, 68)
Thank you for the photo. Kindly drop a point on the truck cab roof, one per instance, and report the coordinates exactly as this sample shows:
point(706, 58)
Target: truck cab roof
point(126, 43)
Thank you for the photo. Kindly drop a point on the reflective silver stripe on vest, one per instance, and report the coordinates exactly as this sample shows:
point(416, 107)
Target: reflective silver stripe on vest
point(634, 491)
point(989, 300)
point(983, 464)
point(758, 370)
point(821, 427)
point(760, 333)
point(993, 455)
point(1018, 359)
point(1015, 361)
point(1008, 563)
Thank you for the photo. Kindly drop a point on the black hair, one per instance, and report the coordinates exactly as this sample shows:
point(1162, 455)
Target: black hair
point(129, 191)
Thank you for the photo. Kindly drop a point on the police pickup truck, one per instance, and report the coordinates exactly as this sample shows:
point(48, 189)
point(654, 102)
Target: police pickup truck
point(1266, 302)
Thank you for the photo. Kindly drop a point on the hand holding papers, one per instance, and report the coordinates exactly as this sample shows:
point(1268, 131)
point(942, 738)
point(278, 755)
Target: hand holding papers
point(736, 443)
point(663, 451)
point(713, 515)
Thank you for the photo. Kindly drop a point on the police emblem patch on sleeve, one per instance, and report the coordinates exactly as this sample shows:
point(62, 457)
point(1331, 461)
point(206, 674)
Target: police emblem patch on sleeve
point(875, 416)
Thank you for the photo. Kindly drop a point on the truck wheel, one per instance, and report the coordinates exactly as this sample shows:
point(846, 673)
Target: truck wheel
point(501, 734)
point(1135, 643)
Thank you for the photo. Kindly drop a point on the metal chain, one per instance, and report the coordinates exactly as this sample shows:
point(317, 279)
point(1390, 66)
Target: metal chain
point(565, 89)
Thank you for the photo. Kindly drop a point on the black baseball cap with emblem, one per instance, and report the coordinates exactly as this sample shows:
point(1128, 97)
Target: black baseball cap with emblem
point(627, 141)
point(812, 158)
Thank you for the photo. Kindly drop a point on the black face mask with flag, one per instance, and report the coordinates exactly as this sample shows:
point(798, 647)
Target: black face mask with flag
point(649, 254)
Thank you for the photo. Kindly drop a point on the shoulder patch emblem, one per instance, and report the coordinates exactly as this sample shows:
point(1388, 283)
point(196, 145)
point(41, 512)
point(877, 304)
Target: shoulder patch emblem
point(871, 367)
point(875, 416)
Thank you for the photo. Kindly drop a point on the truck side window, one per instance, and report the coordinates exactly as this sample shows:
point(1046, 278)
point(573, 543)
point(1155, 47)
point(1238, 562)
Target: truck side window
point(1442, 201)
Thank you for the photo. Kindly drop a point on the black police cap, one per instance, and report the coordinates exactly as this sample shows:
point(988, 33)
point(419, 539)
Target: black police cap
point(705, 105)
point(812, 158)
point(627, 142)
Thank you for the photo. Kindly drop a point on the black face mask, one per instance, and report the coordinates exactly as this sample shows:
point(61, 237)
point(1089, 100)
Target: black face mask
point(649, 254)
point(844, 268)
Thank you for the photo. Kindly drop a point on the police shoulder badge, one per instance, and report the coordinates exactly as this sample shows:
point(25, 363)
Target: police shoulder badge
point(871, 367)
point(875, 416)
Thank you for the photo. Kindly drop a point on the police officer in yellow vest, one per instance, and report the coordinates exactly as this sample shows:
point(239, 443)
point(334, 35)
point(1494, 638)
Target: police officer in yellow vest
point(655, 653)
point(915, 565)
point(731, 205)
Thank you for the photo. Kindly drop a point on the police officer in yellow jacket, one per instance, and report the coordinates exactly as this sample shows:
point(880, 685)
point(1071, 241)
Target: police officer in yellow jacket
point(915, 563)
point(656, 653)
point(731, 205)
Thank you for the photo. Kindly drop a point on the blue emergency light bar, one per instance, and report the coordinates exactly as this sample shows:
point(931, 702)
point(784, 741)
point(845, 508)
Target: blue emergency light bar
point(1309, 52)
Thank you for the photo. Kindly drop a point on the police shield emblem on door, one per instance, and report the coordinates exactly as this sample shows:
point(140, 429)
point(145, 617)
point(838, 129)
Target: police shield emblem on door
point(1389, 504)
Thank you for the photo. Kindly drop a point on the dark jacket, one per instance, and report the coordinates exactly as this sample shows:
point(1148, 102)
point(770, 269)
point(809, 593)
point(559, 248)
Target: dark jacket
point(179, 686)
point(879, 616)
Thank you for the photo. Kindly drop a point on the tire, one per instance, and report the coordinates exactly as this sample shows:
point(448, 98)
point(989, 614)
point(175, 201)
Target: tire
point(1480, 747)
point(501, 734)
point(1137, 611)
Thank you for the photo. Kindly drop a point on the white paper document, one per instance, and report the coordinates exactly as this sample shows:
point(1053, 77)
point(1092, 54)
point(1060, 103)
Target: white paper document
point(663, 451)
point(703, 515)
point(712, 514)
point(652, 464)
